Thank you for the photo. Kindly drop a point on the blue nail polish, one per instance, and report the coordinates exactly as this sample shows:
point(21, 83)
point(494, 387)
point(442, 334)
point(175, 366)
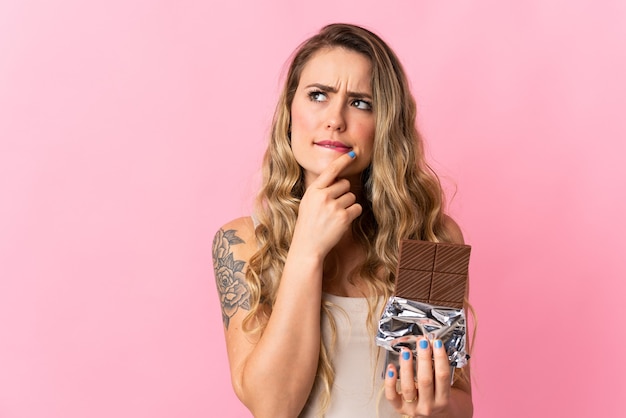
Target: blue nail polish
point(438, 343)
point(423, 344)
point(390, 373)
point(406, 355)
point(352, 154)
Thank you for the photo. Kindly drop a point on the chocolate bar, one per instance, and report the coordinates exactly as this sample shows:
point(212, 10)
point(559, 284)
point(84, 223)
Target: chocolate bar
point(432, 272)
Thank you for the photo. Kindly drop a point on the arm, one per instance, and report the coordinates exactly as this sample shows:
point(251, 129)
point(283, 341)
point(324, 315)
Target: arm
point(273, 374)
point(270, 374)
point(461, 393)
point(429, 393)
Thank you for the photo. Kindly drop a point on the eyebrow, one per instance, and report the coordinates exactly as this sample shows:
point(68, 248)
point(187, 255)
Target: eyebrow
point(330, 89)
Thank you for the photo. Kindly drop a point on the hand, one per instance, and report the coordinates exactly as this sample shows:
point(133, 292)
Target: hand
point(326, 211)
point(428, 396)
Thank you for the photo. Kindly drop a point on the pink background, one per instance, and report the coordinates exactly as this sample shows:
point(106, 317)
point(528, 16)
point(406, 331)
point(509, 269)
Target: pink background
point(131, 130)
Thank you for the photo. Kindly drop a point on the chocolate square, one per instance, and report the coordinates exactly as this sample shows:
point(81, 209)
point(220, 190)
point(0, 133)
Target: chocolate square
point(432, 272)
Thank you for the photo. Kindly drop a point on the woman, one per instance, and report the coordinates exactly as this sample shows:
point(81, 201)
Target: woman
point(344, 179)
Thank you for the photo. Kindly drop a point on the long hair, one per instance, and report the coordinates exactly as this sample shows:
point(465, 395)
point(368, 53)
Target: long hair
point(402, 195)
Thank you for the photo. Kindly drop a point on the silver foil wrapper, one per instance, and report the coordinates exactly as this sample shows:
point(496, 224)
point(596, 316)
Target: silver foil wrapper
point(404, 322)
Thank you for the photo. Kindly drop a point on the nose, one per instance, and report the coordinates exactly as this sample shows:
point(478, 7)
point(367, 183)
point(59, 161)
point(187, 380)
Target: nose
point(335, 119)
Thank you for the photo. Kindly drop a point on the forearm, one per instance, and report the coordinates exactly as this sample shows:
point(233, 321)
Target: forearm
point(277, 377)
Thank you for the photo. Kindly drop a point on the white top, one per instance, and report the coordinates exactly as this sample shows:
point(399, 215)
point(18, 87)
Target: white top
point(358, 362)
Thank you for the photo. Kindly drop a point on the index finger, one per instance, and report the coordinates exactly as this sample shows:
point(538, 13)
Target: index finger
point(330, 173)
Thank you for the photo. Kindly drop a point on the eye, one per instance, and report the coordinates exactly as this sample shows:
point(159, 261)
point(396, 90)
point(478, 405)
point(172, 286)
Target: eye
point(362, 104)
point(317, 96)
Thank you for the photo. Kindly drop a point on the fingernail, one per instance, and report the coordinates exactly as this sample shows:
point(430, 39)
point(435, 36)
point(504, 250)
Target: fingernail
point(390, 373)
point(438, 344)
point(406, 355)
point(352, 154)
point(423, 344)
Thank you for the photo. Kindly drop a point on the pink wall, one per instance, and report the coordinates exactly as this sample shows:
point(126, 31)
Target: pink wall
point(131, 130)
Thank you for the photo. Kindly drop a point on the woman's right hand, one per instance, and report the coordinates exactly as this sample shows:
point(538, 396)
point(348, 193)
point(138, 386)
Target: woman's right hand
point(326, 211)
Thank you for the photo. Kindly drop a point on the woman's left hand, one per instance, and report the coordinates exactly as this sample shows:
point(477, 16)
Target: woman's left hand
point(429, 394)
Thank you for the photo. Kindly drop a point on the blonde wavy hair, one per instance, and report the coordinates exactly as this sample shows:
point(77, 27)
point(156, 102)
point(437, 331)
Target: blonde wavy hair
point(402, 195)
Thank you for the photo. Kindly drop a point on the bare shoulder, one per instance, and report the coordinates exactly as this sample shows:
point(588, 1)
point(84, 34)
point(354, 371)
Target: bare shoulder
point(235, 238)
point(233, 245)
point(453, 230)
point(243, 227)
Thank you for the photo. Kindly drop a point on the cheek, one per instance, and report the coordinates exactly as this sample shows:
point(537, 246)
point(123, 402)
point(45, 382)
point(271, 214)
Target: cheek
point(367, 131)
point(299, 118)
point(300, 128)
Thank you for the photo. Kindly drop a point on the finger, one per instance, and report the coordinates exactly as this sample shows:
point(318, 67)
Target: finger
point(425, 383)
point(348, 213)
point(391, 380)
point(407, 376)
point(354, 211)
point(330, 173)
point(338, 188)
point(442, 373)
point(346, 200)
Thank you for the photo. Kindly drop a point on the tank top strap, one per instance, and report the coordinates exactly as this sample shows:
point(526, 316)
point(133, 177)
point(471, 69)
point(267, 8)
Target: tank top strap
point(255, 221)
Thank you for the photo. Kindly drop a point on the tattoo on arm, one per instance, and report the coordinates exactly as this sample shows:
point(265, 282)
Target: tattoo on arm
point(230, 279)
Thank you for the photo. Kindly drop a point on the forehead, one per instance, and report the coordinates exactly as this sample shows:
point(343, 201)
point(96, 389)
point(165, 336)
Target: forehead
point(338, 67)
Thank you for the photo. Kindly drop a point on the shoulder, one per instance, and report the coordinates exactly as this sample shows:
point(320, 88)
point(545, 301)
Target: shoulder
point(243, 227)
point(235, 236)
point(453, 230)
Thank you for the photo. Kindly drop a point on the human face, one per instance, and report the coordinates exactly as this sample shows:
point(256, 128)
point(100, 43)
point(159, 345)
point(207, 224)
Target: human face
point(332, 114)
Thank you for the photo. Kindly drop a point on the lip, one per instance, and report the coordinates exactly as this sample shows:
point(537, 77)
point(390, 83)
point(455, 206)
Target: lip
point(334, 145)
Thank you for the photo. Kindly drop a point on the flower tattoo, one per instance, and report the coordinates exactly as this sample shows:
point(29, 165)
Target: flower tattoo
point(230, 279)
